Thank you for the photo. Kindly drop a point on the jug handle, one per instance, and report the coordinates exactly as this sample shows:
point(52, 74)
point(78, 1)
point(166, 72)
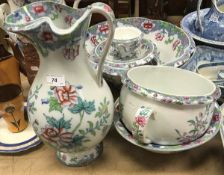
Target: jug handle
point(108, 13)
point(76, 4)
point(198, 21)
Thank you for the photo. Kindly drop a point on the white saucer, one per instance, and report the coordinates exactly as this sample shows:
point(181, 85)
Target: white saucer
point(117, 66)
point(143, 52)
point(17, 142)
point(209, 134)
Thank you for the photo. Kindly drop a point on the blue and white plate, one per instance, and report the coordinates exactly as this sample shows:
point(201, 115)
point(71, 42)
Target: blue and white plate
point(203, 55)
point(212, 130)
point(17, 142)
point(188, 25)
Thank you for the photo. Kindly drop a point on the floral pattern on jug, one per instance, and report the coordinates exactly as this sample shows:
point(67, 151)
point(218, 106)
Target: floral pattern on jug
point(83, 160)
point(75, 115)
point(58, 132)
point(43, 36)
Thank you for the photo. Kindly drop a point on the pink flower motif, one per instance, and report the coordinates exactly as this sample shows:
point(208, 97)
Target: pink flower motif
point(47, 36)
point(159, 37)
point(107, 8)
point(71, 52)
point(140, 120)
point(175, 44)
point(27, 18)
point(57, 135)
point(104, 28)
point(216, 117)
point(39, 9)
point(68, 20)
point(148, 25)
point(94, 40)
point(66, 95)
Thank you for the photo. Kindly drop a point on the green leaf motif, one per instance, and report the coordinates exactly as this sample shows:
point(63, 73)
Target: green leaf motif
point(82, 132)
point(192, 122)
point(15, 124)
point(31, 108)
point(54, 105)
point(61, 123)
point(90, 124)
point(83, 105)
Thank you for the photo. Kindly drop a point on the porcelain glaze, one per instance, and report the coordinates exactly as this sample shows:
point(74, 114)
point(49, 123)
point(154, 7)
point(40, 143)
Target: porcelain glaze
point(173, 44)
point(212, 130)
point(15, 4)
point(205, 55)
point(126, 41)
point(69, 106)
point(210, 26)
point(158, 102)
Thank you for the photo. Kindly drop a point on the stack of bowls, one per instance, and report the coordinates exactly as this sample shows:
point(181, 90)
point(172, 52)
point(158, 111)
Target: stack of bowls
point(138, 41)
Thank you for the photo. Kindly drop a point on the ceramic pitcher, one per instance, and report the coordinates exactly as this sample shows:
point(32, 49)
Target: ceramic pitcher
point(210, 25)
point(69, 105)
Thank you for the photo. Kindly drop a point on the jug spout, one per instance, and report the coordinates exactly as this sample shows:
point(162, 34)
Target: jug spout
point(48, 25)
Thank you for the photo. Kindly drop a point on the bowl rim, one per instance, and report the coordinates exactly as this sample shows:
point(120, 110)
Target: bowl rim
point(171, 98)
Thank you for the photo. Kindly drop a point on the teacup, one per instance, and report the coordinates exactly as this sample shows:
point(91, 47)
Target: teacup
point(127, 40)
point(170, 106)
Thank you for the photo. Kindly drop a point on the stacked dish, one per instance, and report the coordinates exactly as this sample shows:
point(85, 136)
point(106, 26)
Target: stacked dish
point(166, 113)
point(158, 40)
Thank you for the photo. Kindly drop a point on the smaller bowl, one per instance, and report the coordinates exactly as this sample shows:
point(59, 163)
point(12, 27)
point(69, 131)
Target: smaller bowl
point(213, 71)
point(169, 106)
point(210, 70)
point(127, 39)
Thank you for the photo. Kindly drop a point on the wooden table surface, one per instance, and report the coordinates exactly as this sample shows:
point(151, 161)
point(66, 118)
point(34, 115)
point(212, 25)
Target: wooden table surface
point(120, 157)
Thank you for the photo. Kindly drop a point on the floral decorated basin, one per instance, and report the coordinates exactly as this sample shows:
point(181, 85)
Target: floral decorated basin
point(158, 108)
point(188, 25)
point(173, 44)
point(153, 147)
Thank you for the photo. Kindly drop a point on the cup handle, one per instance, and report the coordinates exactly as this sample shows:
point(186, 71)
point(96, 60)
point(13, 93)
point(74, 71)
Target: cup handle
point(141, 120)
point(76, 4)
point(108, 13)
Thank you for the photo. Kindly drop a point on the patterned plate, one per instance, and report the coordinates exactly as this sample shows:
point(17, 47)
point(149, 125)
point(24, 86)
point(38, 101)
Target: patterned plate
point(17, 142)
point(173, 44)
point(210, 133)
point(187, 24)
point(204, 54)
